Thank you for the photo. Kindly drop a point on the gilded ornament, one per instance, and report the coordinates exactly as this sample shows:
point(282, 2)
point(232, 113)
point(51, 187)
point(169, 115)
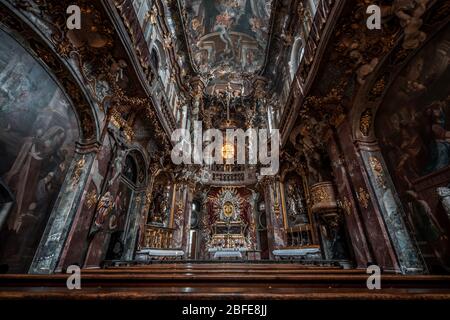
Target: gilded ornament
point(345, 205)
point(78, 171)
point(377, 170)
point(363, 198)
point(91, 199)
point(365, 122)
point(320, 195)
point(378, 88)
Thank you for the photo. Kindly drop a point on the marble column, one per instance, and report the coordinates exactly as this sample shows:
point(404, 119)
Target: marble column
point(76, 244)
point(132, 226)
point(187, 220)
point(275, 229)
point(377, 234)
point(343, 174)
point(6, 202)
point(180, 202)
point(254, 222)
point(388, 202)
point(64, 210)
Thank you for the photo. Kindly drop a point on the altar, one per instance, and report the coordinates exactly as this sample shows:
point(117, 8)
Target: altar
point(228, 240)
point(230, 232)
point(219, 253)
point(146, 255)
point(311, 252)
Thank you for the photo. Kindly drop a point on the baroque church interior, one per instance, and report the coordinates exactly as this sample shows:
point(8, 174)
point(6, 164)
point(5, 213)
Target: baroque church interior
point(355, 122)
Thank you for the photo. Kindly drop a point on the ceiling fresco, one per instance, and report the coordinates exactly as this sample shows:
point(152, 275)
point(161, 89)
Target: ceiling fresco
point(227, 38)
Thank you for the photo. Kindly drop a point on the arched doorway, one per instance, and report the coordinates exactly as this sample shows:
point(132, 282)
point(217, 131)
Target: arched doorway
point(114, 231)
point(120, 217)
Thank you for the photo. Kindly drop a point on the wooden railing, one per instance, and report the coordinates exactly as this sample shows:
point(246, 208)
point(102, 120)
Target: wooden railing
point(316, 38)
point(157, 237)
point(231, 175)
point(126, 11)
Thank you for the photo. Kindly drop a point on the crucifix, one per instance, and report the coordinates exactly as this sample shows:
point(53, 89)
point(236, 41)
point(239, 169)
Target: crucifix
point(229, 93)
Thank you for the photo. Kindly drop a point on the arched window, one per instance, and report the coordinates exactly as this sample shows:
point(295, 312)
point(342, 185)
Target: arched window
point(130, 170)
point(296, 56)
point(133, 176)
point(159, 60)
point(154, 59)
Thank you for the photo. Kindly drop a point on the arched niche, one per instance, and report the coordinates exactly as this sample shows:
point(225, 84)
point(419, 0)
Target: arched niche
point(160, 211)
point(38, 135)
point(32, 41)
point(294, 188)
point(296, 56)
point(412, 126)
point(154, 58)
point(159, 55)
point(135, 168)
point(123, 219)
point(400, 122)
point(299, 222)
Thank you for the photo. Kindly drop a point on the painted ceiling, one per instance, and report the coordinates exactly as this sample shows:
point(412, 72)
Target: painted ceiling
point(227, 38)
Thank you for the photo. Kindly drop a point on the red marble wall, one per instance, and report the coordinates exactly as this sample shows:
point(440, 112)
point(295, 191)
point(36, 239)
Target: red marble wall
point(82, 247)
point(365, 225)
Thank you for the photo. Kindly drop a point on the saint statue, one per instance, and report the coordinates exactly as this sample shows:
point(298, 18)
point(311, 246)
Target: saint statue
point(105, 207)
point(296, 211)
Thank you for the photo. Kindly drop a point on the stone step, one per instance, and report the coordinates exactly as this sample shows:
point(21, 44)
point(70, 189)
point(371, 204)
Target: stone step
point(224, 281)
